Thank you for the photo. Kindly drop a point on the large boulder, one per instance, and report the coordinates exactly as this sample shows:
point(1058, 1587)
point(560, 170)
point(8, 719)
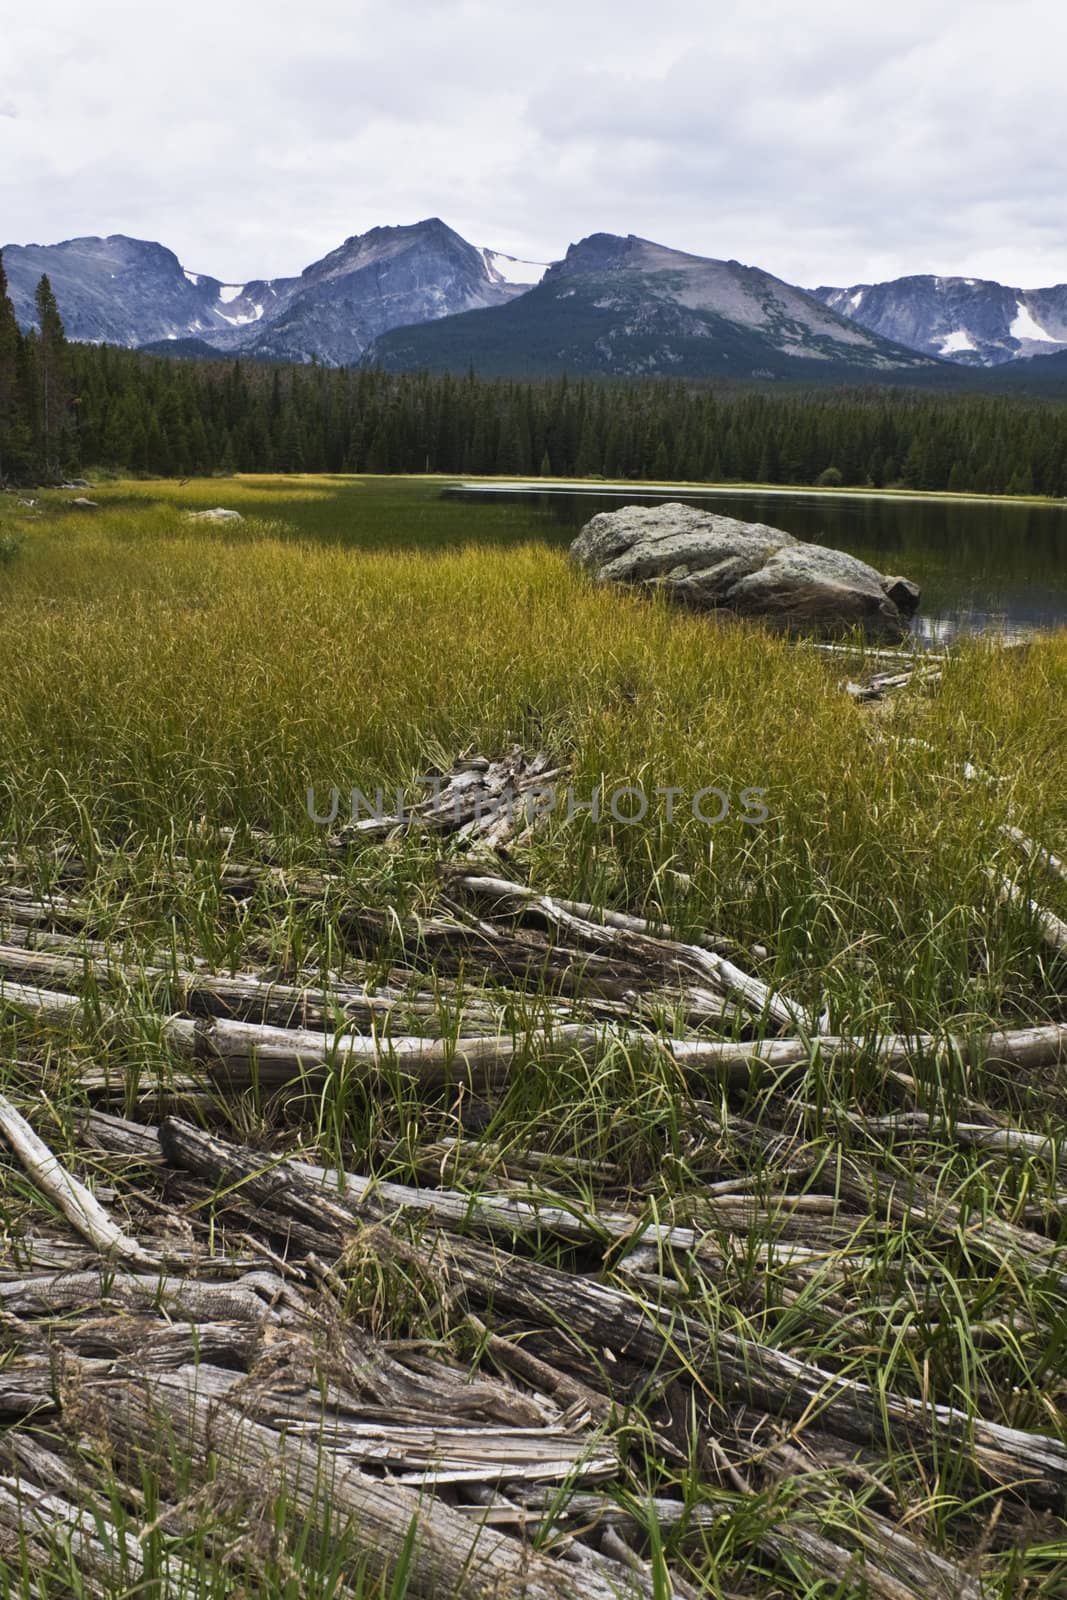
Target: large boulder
point(718, 563)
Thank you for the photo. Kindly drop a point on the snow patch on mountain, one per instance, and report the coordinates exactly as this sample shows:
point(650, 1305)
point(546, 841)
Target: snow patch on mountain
point(230, 291)
point(241, 318)
point(193, 277)
point(1024, 326)
point(508, 269)
point(956, 341)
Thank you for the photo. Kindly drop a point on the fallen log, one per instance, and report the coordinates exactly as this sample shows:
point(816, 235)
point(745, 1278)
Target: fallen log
point(100, 1552)
point(44, 1503)
point(235, 995)
point(48, 1295)
point(722, 972)
point(872, 652)
point(142, 1338)
point(603, 916)
point(884, 1564)
point(250, 997)
point(636, 1330)
point(27, 1386)
point(984, 1136)
point(1027, 1254)
point(77, 1203)
point(24, 911)
point(1052, 929)
point(479, 799)
point(884, 683)
point(236, 1054)
point(1035, 852)
point(424, 1454)
point(391, 1522)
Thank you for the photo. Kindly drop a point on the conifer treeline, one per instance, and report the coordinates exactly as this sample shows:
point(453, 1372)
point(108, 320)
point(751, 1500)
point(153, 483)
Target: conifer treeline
point(37, 419)
point(68, 406)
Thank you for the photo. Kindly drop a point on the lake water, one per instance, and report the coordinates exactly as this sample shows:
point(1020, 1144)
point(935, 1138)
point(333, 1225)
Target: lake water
point(983, 565)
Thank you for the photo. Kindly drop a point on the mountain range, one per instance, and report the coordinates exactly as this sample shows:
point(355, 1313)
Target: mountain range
point(973, 321)
point(626, 307)
point(420, 296)
point(137, 293)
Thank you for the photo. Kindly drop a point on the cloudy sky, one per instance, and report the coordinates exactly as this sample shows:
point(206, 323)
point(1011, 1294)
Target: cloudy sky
point(825, 141)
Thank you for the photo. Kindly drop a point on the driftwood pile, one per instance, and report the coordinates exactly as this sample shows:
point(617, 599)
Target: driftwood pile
point(615, 981)
point(494, 803)
point(245, 1313)
point(916, 668)
point(883, 683)
point(245, 1335)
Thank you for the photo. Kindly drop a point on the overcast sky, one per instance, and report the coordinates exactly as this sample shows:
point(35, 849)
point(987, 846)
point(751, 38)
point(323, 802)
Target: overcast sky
point(824, 141)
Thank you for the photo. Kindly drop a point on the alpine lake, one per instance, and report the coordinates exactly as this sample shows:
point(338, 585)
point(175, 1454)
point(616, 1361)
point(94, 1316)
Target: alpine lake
point(984, 565)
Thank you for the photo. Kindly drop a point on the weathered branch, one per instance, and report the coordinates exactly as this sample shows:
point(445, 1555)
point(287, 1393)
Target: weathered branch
point(637, 1331)
point(77, 1203)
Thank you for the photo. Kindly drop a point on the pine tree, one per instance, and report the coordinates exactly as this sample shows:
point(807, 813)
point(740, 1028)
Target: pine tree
point(588, 462)
point(12, 425)
point(54, 381)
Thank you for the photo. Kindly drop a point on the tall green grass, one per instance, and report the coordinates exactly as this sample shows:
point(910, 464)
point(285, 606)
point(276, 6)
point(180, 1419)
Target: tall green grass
point(161, 678)
point(156, 673)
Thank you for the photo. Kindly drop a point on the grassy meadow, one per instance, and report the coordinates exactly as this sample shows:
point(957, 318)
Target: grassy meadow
point(169, 690)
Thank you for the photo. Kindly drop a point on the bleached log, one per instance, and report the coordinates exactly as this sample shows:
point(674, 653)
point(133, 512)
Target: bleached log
point(24, 911)
point(425, 1454)
point(477, 799)
point(1053, 929)
point(253, 1462)
point(250, 997)
point(77, 1203)
point(233, 1054)
point(1010, 1141)
point(513, 1357)
point(872, 652)
point(634, 1330)
point(1035, 852)
point(536, 1213)
point(154, 1344)
point(27, 1387)
point(223, 994)
point(887, 682)
point(719, 969)
point(99, 1549)
point(248, 1298)
point(50, 1005)
point(503, 888)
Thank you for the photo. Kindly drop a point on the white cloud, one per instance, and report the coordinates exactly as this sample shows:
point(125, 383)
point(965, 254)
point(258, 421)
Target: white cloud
point(820, 140)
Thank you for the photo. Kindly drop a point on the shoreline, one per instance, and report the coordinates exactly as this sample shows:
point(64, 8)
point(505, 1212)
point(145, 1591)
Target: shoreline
point(649, 486)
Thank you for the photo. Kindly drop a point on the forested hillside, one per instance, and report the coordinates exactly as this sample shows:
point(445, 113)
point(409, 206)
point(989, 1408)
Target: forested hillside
point(65, 407)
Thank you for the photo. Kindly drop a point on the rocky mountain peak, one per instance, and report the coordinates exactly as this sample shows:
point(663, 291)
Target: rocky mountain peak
point(973, 321)
point(598, 252)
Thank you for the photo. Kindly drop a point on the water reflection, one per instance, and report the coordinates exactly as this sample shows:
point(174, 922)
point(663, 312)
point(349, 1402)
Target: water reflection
point(984, 565)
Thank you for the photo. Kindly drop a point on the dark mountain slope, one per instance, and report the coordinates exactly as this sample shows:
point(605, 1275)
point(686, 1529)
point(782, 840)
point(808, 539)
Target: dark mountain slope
point(626, 307)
